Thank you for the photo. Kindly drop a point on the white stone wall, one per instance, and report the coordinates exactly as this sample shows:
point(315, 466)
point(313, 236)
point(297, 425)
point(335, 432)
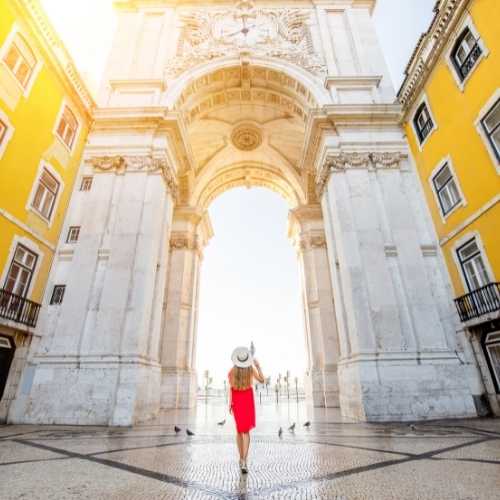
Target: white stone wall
point(101, 345)
point(399, 358)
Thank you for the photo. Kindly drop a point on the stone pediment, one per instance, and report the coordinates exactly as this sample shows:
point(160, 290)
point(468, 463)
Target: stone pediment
point(263, 32)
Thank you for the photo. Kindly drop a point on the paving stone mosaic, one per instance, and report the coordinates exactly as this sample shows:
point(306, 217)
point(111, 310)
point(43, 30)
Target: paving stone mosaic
point(334, 459)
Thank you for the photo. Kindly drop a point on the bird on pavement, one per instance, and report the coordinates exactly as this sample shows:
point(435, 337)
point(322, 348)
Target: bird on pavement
point(222, 422)
point(412, 427)
point(177, 429)
point(292, 427)
point(280, 432)
point(307, 424)
point(189, 433)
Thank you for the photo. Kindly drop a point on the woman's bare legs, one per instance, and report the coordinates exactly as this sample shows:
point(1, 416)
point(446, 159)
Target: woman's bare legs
point(239, 442)
point(246, 444)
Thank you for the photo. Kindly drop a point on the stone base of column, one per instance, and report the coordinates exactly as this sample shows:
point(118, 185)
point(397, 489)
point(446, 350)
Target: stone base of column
point(402, 387)
point(321, 387)
point(69, 390)
point(178, 388)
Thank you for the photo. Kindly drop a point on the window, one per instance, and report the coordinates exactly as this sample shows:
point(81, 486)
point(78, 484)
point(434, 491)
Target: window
point(86, 184)
point(57, 294)
point(20, 59)
point(446, 189)
point(472, 264)
point(423, 122)
point(45, 195)
point(465, 53)
point(73, 234)
point(21, 271)
point(67, 127)
point(491, 125)
point(492, 347)
point(3, 131)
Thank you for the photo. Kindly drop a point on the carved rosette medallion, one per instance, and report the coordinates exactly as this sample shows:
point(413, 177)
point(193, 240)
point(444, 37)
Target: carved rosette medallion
point(246, 137)
point(340, 162)
point(122, 164)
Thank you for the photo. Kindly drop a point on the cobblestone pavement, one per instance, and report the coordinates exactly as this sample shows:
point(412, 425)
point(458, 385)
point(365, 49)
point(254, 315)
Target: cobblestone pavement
point(333, 459)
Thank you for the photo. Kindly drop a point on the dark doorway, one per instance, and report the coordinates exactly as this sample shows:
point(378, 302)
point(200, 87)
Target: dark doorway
point(7, 349)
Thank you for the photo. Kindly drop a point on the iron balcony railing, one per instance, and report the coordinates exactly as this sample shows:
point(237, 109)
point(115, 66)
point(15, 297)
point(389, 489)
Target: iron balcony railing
point(470, 60)
point(484, 300)
point(19, 309)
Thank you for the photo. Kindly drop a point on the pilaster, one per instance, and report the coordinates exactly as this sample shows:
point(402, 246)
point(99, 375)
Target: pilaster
point(191, 231)
point(307, 232)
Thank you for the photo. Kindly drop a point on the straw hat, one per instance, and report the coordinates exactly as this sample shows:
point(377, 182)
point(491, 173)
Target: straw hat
point(242, 357)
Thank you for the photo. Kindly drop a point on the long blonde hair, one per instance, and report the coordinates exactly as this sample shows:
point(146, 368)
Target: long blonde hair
point(241, 378)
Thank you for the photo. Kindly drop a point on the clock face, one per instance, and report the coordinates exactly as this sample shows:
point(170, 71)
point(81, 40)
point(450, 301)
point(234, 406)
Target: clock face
point(241, 30)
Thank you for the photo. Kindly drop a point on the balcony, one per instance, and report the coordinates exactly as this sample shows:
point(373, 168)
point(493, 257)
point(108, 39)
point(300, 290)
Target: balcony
point(18, 309)
point(484, 300)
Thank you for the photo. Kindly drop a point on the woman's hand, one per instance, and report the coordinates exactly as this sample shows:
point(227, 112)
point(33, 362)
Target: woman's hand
point(230, 410)
point(256, 363)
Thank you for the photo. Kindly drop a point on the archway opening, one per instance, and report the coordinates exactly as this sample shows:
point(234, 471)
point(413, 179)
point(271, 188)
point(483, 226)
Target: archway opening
point(250, 291)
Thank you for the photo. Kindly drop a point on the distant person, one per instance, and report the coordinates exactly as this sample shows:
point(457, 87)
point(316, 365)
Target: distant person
point(241, 400)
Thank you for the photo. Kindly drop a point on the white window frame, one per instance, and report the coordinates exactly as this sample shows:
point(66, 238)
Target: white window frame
point(54, 287)
point(462, 241)
point(462, 203)
point(82, 179)
point(29, 205)
point(69, 233)
point(33, 247)
point(482, 133)
point(65, 104)
point(466, 23)
point(421, 101)
point(9, 132)
point(38, 66)
point(486, 344)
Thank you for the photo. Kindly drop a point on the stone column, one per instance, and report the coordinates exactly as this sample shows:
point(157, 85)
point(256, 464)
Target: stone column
point(98, 359)
point(392, 302)
point(191, 231)
point(307, 231)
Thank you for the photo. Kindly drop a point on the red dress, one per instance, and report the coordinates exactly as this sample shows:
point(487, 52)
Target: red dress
point(243, 409)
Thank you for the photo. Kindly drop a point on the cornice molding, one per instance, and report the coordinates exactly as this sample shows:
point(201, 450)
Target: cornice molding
point(32, 12)
point(429, 48)
point(343, 161)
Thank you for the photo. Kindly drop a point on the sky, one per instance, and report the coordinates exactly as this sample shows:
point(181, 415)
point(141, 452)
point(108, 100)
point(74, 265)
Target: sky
point(249, 280)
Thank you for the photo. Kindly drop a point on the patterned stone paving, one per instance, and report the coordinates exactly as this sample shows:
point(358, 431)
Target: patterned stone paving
point(334, 459)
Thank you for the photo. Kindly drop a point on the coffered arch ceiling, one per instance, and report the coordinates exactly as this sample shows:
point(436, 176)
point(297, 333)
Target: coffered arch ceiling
point(251, 119)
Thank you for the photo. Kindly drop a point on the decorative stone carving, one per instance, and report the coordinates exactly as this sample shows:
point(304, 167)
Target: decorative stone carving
point(183, 241)
point(122, 164)
point(343, 161)
point(246, 137)
point(280, 33)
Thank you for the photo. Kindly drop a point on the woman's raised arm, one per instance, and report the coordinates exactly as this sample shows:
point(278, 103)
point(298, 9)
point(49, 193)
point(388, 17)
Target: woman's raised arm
point(257, 372)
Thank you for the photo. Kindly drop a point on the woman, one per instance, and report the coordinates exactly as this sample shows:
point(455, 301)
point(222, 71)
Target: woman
point(241, 401)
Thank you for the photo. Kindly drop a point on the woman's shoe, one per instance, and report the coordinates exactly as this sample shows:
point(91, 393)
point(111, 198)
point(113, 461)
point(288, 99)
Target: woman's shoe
point(244, 467)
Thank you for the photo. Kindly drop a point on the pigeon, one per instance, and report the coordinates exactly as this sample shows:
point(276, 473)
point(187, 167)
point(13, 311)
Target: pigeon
point(280, 432)
point(307, 424)
point(189, 433)
point(177, 429)
point(412, 427)
point(292, 427)
point(222, 422)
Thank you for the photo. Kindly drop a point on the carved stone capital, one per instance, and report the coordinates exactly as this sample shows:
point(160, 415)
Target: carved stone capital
point(309, 241)
point(137, 163)
point(342, 161)
point(183, 240)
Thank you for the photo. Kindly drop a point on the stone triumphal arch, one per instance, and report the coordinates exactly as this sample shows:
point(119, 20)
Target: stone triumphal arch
point(200, 97)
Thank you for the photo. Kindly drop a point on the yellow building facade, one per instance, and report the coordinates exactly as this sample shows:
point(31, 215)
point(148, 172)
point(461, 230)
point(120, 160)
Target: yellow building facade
point(45, 114)
point(451, 104)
